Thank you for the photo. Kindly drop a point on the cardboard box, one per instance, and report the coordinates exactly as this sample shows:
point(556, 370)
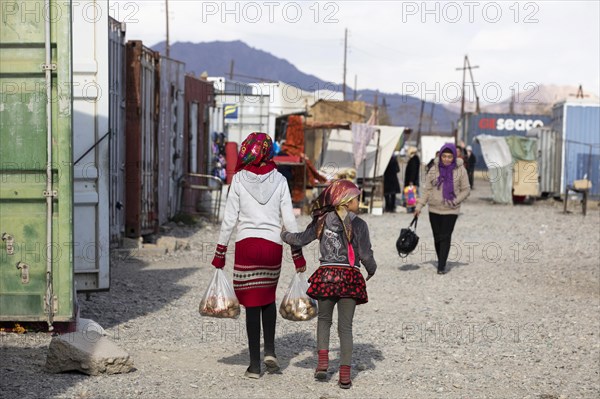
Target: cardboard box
point(583, 184)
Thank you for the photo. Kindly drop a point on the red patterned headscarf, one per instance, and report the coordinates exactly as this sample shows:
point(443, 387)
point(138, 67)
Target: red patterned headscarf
point(333, 199)
point(257, 148)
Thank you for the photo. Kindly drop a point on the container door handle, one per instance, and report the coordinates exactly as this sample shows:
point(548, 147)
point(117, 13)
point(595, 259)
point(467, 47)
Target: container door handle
point(10, 241)
point(24, 267)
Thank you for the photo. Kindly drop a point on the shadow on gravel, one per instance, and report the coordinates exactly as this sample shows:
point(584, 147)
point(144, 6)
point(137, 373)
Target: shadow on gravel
point(27, 364)
point(135, 291)
point(291, 345)
point(409, 267)
point(454, 265)
point(449, 266)
point(364, 357)
point(287, 347)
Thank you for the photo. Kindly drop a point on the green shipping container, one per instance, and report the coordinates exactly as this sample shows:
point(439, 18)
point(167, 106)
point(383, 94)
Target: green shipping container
point(36, 198)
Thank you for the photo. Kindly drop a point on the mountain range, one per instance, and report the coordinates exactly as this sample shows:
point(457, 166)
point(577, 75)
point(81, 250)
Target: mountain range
point(255, 65)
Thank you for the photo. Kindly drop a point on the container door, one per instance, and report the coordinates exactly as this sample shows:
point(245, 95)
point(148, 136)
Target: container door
point(116, 120)
point(36, 202)
point(91, 149)
point(193, 123)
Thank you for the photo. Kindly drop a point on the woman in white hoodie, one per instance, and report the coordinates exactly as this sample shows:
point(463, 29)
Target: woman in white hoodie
point(259, 202)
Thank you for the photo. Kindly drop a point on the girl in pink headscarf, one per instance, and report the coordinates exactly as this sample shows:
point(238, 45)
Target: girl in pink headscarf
point(344, 245)
point(259, 203)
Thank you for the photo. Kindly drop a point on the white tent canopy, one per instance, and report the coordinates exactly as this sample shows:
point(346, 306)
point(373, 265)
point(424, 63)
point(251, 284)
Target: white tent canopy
point(498, 159)
point(431, 144)
point(339, 154)
point(495, 150)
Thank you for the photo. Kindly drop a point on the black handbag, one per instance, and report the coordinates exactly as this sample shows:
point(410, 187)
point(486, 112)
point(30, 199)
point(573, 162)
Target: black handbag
point(408, 240)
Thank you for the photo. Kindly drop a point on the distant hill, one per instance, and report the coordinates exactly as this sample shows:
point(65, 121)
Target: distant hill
point(252, 65)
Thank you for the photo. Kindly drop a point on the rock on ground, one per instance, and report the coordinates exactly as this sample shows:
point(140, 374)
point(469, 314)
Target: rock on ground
point(88, 352)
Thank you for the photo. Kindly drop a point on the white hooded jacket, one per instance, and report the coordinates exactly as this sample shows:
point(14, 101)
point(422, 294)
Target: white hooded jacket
point(260, 204)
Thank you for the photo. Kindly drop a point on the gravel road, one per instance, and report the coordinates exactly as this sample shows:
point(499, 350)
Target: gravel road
point(517, 316)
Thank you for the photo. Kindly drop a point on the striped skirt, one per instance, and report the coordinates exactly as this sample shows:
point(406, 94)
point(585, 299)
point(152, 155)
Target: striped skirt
point(256, 271)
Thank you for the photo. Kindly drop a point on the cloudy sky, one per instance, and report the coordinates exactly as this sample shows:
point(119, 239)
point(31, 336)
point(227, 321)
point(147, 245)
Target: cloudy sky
point(399, 47)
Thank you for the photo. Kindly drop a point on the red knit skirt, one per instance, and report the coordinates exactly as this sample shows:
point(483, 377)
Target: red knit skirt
point(338, 282)
point(256, 271)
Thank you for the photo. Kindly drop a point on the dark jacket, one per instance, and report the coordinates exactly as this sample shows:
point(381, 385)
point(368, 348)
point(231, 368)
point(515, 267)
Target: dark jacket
point(412, 171)
point(391, 185)
point(471, 161)
point(333, 244)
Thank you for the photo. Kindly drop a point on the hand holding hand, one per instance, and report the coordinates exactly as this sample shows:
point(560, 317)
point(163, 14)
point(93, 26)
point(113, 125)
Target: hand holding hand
point(219, 258)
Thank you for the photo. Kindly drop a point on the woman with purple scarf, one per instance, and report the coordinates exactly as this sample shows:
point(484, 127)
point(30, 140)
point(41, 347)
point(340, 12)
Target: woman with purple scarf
point(446, 187)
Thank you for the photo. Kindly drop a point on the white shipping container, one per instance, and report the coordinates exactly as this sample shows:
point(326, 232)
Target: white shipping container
point(91, 148)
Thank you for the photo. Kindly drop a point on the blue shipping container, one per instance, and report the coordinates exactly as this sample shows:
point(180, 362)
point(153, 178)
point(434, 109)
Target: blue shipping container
point(578, 124)
point(497, 125)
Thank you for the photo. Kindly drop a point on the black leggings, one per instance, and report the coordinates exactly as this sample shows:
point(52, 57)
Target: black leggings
point(269, 317)
point(442, 226)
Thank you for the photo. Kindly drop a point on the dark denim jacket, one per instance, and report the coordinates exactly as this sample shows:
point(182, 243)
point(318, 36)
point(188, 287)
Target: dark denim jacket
point(333, 243)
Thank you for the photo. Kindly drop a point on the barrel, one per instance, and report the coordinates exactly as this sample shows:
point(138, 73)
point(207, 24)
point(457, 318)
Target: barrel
point(231, 152)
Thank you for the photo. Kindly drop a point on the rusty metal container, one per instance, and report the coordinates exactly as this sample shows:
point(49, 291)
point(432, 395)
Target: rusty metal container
point(199, 98)
point(141, 116)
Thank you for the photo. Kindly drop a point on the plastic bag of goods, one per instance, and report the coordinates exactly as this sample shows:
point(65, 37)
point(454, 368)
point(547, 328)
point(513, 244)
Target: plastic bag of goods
point(219, 300)
point(296, 305)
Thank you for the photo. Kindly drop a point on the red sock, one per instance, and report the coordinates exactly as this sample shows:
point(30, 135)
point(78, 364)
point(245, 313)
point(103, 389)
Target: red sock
point(323, 363)
point(345, 375)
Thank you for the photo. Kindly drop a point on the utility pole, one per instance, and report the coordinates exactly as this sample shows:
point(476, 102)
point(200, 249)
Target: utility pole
point(473, 83)
point(168, 45)
point(418, 139)
point(511, 107)
point(466, 65)
point(355, 84)
point(345, 53)
point(376, 107)
point(431, 118)
point(579, 93)
point(231, 69)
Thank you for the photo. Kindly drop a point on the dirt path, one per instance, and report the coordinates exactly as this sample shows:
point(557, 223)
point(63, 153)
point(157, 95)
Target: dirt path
point(517, 316)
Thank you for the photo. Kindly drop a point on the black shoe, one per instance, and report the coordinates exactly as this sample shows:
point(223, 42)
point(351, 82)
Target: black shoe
point(345, 386)
point(442, 271)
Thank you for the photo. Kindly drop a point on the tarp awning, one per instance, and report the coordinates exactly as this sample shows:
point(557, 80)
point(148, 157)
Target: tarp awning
point(495, 150)
point(339, 153)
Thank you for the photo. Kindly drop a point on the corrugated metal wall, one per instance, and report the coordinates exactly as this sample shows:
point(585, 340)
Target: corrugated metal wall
point(36, 219)
point(116, 121)
point(142, 104)
point(549, 158)
point(91, 150)
point(199, 98)
point(170, 137)
point(579, 124)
